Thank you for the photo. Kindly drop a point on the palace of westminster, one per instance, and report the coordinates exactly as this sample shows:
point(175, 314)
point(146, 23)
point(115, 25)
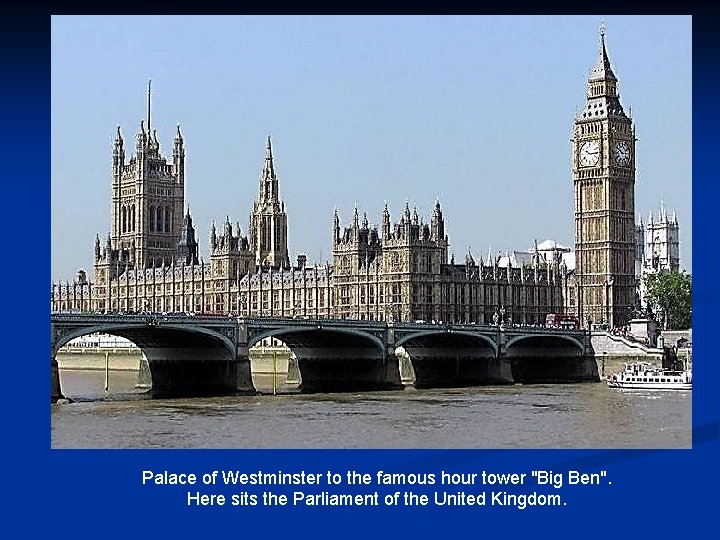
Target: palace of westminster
point(398, 272)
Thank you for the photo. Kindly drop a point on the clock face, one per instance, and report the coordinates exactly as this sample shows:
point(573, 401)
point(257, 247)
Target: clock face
point(589, 153)
point(621, 151)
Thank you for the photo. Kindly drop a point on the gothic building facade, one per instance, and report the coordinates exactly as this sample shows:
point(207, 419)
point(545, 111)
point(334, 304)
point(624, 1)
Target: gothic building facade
point(657, 247)
point(397, 271)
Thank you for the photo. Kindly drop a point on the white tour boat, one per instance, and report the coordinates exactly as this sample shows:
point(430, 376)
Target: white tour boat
point(645, 376)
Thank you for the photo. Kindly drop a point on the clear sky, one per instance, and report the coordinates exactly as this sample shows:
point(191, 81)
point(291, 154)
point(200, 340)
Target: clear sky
point(474, 110)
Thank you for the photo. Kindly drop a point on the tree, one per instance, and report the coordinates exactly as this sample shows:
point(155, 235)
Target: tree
point(670, 293)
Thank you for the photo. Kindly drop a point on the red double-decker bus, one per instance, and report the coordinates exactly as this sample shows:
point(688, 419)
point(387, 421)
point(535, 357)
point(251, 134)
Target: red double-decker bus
point(560, 320)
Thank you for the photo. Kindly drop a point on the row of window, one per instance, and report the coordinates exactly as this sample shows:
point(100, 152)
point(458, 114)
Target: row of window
point(127, 218)
point(160, 219)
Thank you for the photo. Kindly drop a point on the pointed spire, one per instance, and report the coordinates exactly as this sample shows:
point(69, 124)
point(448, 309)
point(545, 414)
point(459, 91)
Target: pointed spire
point(602, 70)
point(268, 178)
point(148, 102)
point(365, 221)
point(336, 226)
point(674, 217)
point(469, 261)
point(118, 136)
point(153, 140)
point(386, 222)
point(268, 149)
point(178, 135)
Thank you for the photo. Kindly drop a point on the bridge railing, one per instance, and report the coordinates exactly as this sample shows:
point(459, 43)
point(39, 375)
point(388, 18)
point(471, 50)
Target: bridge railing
point(308, 322)
point(164, 318)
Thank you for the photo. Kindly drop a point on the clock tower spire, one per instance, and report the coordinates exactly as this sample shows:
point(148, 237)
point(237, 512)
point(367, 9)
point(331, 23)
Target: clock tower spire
point(603, 148)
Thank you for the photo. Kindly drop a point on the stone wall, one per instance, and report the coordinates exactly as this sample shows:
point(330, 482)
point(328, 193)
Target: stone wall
point(618, 346)
point(611, 352)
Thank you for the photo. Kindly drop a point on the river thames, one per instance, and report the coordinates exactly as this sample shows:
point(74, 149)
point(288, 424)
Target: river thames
point(587, 415)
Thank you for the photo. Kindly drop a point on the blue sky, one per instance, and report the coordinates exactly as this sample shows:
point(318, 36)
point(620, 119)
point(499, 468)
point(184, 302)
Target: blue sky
point(475, 110)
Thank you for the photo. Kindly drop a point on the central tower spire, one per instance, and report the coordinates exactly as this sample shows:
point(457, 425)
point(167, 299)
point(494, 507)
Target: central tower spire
point(268, 221)
point(268, 190)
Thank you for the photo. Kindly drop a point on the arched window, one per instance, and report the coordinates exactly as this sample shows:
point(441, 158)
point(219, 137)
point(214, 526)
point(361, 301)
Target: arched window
point(152, 218)
point(167, 219)
point(122, 219)
point(159, 226)
point(133, 218)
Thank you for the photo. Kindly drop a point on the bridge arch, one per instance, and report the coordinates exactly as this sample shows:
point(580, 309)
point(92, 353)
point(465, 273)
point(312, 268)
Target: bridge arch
point(449, 358)
point(315, 333)
point(134, 332)
point(430, 333)
point(184, 359)
point(546, 339)
point(550, 358)
point(331, 358)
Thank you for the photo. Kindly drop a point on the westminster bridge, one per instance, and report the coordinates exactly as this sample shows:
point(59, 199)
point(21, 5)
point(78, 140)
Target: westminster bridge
point(208, 355)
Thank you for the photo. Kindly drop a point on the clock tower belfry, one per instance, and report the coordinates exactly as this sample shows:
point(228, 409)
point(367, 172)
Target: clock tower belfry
point(604, 179)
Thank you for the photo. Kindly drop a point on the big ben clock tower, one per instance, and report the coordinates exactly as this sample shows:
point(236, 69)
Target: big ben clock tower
point(604, 179)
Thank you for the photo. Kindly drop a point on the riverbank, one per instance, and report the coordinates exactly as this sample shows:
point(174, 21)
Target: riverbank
point(94, 359)
point(263, 361)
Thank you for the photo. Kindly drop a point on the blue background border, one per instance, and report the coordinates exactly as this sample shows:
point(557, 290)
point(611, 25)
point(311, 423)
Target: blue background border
point(72, 492)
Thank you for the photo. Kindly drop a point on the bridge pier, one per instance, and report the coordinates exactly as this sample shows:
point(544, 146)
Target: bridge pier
point(407, 371)
point(391, 375)
point(502, 369)
point(55, 392)
point(189, 372)
point(243, 379)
